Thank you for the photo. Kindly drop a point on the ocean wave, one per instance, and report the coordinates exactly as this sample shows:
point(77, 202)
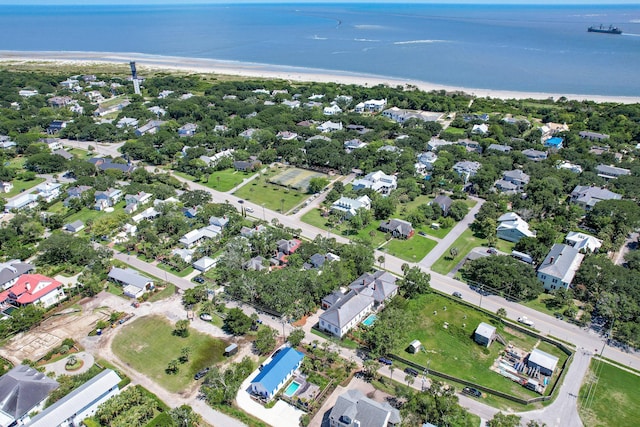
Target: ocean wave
point(317, 37)
point(634, 21)
point(366, 40)
point(369, 27)
point(421, 41)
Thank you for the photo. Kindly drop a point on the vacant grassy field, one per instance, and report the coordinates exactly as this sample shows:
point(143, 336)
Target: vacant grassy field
point(168, 291)
point(227, 179)
point(20, 186)
point(451, 349)
point(613, 401)
point(412, 250)
point(272, 196)
point(147, 345)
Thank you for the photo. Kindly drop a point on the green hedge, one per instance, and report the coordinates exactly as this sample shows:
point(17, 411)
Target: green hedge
point(161, 420)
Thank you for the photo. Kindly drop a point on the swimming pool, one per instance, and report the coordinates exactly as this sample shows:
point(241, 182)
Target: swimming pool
point(291, 389)
point(369, 320)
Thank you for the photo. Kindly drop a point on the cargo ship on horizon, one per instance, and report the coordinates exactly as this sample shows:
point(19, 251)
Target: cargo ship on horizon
point(604, 30)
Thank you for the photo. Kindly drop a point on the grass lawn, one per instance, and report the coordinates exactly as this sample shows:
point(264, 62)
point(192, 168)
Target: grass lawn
point(227, 179)
point(16, 163)
point(272, 196)
point(168, 290)
point(452, 350)
point(464, 243)
point(114, 289)
point(80, 153)
point(412, 250)
point(20, 185)
point(148, 345)
point(182, 273)
point(614, 401)
point(540, 304)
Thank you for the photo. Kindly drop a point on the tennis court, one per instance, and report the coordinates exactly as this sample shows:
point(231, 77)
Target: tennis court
point(296, 178)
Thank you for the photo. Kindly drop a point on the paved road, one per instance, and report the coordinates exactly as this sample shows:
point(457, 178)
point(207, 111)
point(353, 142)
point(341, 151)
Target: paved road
point(106, 149)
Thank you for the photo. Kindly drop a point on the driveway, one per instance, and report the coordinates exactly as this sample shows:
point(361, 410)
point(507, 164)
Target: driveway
point(58, 367)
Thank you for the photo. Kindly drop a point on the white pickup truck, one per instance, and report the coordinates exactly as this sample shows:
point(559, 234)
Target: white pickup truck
point(525, 321)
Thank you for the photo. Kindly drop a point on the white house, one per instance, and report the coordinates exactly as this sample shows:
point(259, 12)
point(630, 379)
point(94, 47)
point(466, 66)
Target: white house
point(332, 110)
point(512, 228)
point(378, 181)
point(346, 313)
point(329, 126)
point(49, 191)
point(33, 289)
point(134, 284)
point(559, 267)
point(481, 129)
point(582, 241)
point(349, 206)
point(26, 201)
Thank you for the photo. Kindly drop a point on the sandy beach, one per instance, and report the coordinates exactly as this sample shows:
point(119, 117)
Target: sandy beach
point(299, 74)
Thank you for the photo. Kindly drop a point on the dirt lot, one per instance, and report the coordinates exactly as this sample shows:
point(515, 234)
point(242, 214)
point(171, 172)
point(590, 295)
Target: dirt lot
point(69, 324)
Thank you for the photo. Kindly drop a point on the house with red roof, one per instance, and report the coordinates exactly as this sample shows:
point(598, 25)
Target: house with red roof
point(33, 289)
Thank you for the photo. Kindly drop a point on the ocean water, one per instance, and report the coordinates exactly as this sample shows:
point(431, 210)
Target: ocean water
point(520, 48)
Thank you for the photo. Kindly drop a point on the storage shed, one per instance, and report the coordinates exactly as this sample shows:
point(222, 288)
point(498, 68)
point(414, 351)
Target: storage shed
point(414, 347)
point(231, 350)
point(544, 361)
point(484, 334)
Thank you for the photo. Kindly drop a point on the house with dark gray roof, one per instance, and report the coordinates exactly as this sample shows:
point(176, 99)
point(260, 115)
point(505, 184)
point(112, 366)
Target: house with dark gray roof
point(499, 147)
point(444, 202)
point(105, 163)
point(611, 172)
point(74, 226)
point(535, 155)
point(380, 285)
point(397, 228)
point(512, 181)
point(586, 196)
point(134, 284)
point(256, 263)
point(23, 390)
point(346, 313)
point(354, 409)
point(11, 270)
point(559, 267)
point(593, 136)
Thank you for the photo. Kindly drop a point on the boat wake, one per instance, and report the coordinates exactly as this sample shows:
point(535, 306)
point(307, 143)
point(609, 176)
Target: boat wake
point(421, 41)
point(366, 40)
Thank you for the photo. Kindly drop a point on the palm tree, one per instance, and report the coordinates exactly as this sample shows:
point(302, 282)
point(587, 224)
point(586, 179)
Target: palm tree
point(409, 379)
point(184, 354)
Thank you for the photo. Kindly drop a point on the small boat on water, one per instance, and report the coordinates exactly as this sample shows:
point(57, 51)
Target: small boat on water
point(610, 30)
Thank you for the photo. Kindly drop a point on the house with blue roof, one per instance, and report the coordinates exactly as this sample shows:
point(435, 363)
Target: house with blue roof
point(554, 143)
point(276, 374)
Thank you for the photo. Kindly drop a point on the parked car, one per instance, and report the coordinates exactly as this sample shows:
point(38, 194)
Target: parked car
point(525, 321)
point(411, 371)
point(201, 374)
point(248, 209)
point(206, 317)
point(492, 251)
point(385, 361)
point(472, 391)
point(135, 304)
point(457, 294)
point(198, 279)
point(422, 233)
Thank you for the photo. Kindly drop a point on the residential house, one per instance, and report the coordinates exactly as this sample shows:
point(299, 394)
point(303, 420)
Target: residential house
point(380, 285)
point(435, 143)
point(52, 144)
point(288, 247)
point(399, 115)
point(26, 201)
point(158, 111)
point(81, 403)
point(63, 153)
point(6, 186)
point(512, 228)
point(276, 373)
point(512, 181)
point(371, 106)
point(359, 129)
point(318, 137)
point(378, 181)
point(332, 110)
point(398, 228)
point(611, 172)
point(204, 264)
point(349, 207)
point(535, 155)
point(582, 241)
point(70, 83)
point(134, 284)
point(354, 409)
point(425, 162)
point(49, 191)
point(105, 163)
point(250, 231)
point(550, 129)
point(347, 99)
point(220, 221)
point(27, 93)
point(6, 142)
point(74, 226)
point(543, 361)
point(256, 264)
point(75, 193)
point(195, 237)
point(106, 199)
point(127, 122)
point(213, 160)
point(186, 96)
point(586, 196)
point(59, 101)
point(11, 270)
point(103, 111)
point(569, 166)
point(136, 200)
point(559, 267)
point(147, 214)
point(33, 289)
point(499, 147)
point(472, 117)
point(593, 136)
point(444, 202)
point(151, 127)
point(354, 144)
point(346, 313)
point(248, 134)
point(329, 127)
point(23, 391)
point(467, 169)
point(164, 94)
point(484, 334)
point(481, 129)
point(555, 143)
point(312, 104)
point(184, 254)
point(56, 126)
point(286, 135)
point(291, 104)
point(188, 129)
point(220, 128)
point(317, 260)
point(246, 165)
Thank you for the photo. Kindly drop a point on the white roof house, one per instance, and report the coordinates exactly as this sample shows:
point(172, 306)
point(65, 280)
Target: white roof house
point(353, 408)
point(467, 168)
point(330, 126)
point(400, 115)
point(49, 190)
point(559, 267)
point(204, 264)
point(378, 181)
point(25, 201)
point(332, 110)
point(512, 228)
point(349, 206)
point(544, 361)
point(81, 403)
point(134, 283)
point(582, 241)
point(481, 129)
point(194, 237)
